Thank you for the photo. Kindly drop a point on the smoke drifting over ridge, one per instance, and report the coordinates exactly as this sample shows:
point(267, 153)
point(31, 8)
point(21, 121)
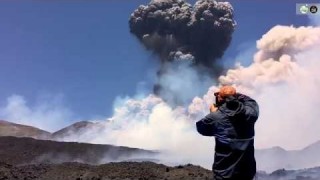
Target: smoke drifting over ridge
point(192, 36)
point(284, 72)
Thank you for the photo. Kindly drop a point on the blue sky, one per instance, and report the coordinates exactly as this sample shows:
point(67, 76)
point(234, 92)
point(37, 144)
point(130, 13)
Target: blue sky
point(84, 52)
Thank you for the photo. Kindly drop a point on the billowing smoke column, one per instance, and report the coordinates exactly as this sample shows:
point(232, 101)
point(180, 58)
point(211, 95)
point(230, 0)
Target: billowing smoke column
point(284, 78)
point(190, 36)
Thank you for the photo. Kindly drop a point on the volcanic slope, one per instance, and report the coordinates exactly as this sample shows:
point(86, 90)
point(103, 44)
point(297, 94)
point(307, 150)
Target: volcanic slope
point(12, 129)
point(18, 151)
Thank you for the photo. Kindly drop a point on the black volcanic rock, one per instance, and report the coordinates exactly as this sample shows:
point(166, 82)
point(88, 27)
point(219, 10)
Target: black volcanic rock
point(27, 150)
point(302, 174)
point(132, 170)
point(116, 171)
point(267, 159)
point(28, 158)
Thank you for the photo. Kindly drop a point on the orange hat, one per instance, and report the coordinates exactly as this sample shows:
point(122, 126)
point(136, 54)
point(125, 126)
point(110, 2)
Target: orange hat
point(226, 91)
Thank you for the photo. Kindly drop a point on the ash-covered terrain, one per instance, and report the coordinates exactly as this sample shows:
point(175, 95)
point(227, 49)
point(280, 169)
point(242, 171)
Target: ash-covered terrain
point(123, 170)
point(29, 158)
point(29, 151)
point(268, 160)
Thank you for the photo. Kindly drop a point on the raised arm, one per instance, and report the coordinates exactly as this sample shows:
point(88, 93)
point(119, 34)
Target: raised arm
point(206, 126)
point(251, 107)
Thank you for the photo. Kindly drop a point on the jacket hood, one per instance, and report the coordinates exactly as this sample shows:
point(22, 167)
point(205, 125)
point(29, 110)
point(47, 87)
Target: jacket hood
point(232, 107)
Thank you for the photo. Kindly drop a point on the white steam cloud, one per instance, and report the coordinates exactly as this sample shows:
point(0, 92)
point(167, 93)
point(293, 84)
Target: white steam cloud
point(48, 113)
point(284, 78)
point(183, 82)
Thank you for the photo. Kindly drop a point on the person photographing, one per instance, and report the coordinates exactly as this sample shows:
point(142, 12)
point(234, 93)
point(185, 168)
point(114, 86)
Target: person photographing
point(231, 121)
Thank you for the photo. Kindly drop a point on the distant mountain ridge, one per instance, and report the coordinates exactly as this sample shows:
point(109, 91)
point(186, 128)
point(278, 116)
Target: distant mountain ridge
point(276, 158)
point(18, 130)
point(76, 128)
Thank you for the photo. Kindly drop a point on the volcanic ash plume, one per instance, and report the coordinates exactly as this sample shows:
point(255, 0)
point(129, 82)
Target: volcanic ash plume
point(284, 78)
point(177, 31)
point(284, 73)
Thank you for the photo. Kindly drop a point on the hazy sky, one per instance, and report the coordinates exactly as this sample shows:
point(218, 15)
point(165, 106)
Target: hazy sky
point(84, 54)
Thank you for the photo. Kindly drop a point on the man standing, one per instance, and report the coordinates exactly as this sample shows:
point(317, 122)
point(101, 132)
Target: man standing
point(231, 121)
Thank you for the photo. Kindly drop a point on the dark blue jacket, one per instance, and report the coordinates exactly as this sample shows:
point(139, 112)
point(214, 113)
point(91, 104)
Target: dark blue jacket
point(233, 128)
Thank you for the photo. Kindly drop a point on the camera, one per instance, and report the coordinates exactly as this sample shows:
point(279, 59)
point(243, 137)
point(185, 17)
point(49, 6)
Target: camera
point(217, 102)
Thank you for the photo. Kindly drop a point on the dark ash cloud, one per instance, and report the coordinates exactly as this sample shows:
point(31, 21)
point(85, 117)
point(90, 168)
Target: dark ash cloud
point(176, 30)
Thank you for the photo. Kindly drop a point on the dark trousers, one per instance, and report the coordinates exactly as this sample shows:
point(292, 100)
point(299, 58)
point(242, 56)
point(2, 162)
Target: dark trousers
point(238, 165)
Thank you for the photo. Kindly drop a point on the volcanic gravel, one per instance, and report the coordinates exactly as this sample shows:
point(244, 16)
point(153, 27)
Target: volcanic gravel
point(121, 170)
point(27, 158)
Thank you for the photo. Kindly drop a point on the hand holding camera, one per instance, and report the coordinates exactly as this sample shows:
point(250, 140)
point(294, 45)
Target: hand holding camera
point(213, 108)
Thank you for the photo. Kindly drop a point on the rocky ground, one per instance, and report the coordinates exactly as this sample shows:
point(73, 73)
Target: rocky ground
point(123, 170)
point(18, 151)
point(27, 158)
